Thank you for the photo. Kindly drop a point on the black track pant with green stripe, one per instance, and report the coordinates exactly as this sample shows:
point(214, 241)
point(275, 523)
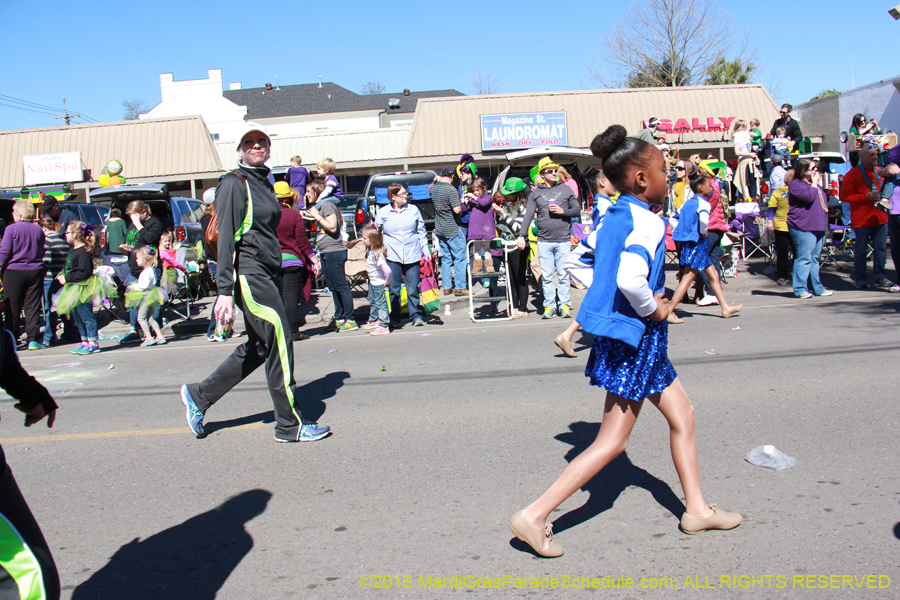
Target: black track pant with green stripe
point(27, 570)
point(268, 343)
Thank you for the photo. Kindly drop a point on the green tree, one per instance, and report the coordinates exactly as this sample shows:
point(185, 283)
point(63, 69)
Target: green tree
point(659, 74)
point(824, 94)
point(727, 72)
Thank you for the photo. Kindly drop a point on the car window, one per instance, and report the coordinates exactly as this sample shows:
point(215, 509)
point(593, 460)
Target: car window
point(89, 214)
point(181, 212)
point(197, 210)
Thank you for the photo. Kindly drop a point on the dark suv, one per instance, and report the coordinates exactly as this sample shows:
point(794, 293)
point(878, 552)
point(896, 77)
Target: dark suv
point(180, 214)
point(417, 183)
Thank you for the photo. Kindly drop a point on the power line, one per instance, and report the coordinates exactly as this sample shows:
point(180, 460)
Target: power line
point(40, 112)
point(26, 102)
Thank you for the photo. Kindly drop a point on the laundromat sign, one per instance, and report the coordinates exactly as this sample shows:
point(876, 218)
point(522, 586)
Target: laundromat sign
point(524, 130)
point(695, 124)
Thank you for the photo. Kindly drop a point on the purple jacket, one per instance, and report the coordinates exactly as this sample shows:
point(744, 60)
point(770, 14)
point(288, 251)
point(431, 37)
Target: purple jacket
point(807, 207)
point(482, 220)
point(22, 247)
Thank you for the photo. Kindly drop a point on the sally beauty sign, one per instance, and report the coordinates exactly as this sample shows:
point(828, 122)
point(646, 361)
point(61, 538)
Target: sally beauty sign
point(64, 167)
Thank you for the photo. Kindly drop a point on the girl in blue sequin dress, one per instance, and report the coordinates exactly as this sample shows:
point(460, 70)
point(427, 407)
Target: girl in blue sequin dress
point(626, 310)
point(690, 230)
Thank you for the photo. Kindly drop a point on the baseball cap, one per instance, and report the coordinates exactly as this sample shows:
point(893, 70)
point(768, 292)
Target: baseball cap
point(209, 196)
point(448, 171)
point(251, 127)
point(48, 203)
point(652, 122)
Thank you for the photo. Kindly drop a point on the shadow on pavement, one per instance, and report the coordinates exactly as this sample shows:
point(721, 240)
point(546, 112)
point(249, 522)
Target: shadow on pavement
point(263, 417)
point(309, 398)
point(607, 485)
point(188, 561)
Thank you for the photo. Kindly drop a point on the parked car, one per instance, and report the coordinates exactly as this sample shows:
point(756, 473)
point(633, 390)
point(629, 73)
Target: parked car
point(417, 183)
point(95, 214)
point(575, 160)
point(181, 215)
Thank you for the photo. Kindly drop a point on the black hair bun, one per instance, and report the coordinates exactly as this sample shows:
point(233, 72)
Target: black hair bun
point(606, 143)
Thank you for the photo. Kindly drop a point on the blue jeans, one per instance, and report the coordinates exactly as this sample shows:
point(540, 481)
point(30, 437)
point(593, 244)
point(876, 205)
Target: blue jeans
point(410, 274)
point(378, 309)
point(877, 234)
point(51, 318)
point(553, 256)
point(453, 255)
point(807, 248)
point(336, 280)
point(714, 240)
point(86, 322)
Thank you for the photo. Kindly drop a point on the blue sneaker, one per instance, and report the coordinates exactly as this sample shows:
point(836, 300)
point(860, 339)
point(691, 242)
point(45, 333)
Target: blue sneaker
point(309, 432)
point(193, 414)
point(131, 338)
point(36, 346)
point(81, 348)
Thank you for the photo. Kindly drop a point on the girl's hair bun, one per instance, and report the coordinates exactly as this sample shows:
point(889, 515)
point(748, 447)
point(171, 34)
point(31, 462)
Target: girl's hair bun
point(607, 142)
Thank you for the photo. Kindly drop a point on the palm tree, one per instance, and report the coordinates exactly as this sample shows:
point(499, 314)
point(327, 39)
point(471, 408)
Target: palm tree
point(728, 72)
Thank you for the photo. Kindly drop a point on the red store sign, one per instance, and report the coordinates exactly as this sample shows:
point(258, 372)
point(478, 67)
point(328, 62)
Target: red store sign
point(696, 125)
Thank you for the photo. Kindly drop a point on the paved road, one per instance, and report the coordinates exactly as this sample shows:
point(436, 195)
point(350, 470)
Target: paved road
point(441, 433)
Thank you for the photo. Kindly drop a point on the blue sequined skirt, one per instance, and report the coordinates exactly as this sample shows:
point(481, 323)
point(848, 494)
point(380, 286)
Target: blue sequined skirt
point(632, 373)
point(695, 255)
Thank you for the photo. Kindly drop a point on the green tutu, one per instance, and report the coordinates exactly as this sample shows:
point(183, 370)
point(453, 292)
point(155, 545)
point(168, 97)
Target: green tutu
point(73, 294)
point(153, 297)
point(169, 281)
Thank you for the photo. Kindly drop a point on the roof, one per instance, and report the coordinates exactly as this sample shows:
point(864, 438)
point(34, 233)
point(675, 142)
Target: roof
point(149, 148)
point(452, 126)
point(344, 147)
point(310, 98)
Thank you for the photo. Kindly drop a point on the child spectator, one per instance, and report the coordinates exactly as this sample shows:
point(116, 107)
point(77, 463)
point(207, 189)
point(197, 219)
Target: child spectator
point(167, 253)
point(55, 252)
point(332, 191)
point(297, 177)
point(482, 229)
point(755, 134)
point(81, 286)
point(379, 275)
point(145, 295)
point(782, 145)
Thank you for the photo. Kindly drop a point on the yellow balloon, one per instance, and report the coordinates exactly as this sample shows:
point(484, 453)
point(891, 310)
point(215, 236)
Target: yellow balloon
point(103, 180)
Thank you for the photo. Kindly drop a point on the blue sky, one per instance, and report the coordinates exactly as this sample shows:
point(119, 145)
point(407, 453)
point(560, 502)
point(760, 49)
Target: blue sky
point(98, 54)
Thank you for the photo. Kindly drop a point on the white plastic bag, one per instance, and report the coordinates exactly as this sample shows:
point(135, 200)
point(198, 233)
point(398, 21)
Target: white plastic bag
point(770, 457)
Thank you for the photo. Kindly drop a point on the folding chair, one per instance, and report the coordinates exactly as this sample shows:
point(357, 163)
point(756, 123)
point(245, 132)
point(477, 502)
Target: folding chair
point(835, 245)
point(189, 286)
point(355, 267)
point(671, 248)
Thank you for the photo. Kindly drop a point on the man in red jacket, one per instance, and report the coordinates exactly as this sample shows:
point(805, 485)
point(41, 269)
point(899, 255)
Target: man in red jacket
point(860, 189)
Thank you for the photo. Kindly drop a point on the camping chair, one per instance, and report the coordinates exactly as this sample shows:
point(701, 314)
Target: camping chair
point(835, 245)
point(355, 267)
point(671, 248)
point(188, 285)
point(755, 238)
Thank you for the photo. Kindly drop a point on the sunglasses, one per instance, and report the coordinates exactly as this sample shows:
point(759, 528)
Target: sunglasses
point(679, 168)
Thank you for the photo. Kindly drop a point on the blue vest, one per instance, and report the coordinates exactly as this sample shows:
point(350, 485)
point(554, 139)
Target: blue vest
point(688, 229)
point(605, 311)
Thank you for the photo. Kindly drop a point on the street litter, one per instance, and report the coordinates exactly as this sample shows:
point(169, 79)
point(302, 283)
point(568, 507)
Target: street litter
point(735, 328)
point(110, 367)
point(770, 457)
point(383, 368)
point(329, 351)
point(710, 351)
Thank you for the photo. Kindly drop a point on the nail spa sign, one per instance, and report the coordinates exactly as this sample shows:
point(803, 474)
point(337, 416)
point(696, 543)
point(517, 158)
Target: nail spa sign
point(695, 124)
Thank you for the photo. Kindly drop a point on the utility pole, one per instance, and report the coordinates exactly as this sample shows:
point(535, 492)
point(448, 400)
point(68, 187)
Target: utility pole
point(66, 114)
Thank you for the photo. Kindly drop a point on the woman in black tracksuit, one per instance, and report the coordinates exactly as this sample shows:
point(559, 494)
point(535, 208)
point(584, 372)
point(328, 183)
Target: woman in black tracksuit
point(249, 261)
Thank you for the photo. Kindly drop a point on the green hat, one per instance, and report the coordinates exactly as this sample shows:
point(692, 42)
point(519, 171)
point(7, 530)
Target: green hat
point(511, 186)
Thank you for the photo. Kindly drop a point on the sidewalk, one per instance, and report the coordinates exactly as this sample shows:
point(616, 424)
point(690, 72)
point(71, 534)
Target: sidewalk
point(320, 309)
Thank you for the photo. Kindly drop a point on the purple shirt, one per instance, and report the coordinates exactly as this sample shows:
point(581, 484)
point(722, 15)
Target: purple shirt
point(807, 210)
point(895, 201)
point(297, 178)
point(22, 247)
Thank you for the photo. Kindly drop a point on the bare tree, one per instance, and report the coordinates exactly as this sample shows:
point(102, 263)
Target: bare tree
point(664, 43)
point(372, 88)
point(133, 108)
point(485, 83)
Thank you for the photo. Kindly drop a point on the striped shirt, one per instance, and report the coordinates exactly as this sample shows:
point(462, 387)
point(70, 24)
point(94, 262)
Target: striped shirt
point(55, 252)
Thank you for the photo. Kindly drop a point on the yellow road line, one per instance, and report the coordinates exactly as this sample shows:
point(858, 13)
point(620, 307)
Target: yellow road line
point(112, 434)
